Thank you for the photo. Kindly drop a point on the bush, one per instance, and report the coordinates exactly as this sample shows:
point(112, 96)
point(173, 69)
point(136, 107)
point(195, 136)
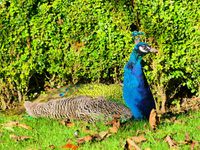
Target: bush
point(60, 42)
point(56, 42)
point(172, 26)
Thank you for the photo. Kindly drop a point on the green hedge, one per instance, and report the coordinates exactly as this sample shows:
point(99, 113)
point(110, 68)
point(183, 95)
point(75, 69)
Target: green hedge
point(55, 42)
point(61, 42)
point(174, 27)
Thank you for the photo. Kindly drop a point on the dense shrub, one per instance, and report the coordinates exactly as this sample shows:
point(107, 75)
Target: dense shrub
point(173, 26)
point(54, 42)
point(60, 42)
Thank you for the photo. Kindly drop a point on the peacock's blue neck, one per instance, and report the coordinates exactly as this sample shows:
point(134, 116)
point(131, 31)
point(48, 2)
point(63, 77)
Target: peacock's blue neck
point(136, 91)
point(135, 57)
point(134, 67)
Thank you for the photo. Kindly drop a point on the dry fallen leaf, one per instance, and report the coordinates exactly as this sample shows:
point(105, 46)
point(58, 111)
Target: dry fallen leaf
point(179, 122)
point(86, 129)
point(153, 119)
point(70, 146)
point(70, 124)
point(10, 124)
point(131, 145)
point(19, 138)
point(67, 123)
point(113, 129)
point(193, 144)
point(97, 137)
point(115, 126)
point(173, 119)
point(24, 126)
point(138, 139)
point(16, 124)
point(187, 139)
point(138, 132)
point(115, 118)
point(171, 142)
point(84, 139)
point(101, 135)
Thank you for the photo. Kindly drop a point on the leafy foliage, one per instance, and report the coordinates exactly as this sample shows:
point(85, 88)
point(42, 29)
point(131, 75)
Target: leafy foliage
point(172, 26)
point(61, 42)
point(56, 42)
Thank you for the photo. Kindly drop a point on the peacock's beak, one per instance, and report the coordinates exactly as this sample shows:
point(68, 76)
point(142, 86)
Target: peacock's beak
point(153, 50)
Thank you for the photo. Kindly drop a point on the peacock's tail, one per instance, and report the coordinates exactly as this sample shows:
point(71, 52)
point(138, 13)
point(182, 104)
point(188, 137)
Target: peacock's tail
point(79, 108)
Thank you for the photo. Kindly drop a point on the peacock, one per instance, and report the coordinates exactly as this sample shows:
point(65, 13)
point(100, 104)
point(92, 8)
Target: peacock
point(136, 93)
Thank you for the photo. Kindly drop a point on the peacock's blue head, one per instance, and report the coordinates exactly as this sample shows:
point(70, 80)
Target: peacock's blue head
point(143, 48)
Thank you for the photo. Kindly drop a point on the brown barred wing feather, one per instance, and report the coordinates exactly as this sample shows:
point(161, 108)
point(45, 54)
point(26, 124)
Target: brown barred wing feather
point(80, 108)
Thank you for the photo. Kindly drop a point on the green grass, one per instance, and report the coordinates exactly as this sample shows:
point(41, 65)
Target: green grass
point(46, 132)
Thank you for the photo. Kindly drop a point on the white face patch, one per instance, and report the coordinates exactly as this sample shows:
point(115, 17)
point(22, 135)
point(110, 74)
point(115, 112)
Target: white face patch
point(144, 49)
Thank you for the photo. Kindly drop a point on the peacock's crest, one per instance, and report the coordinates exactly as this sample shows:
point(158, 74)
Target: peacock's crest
point(137, 33)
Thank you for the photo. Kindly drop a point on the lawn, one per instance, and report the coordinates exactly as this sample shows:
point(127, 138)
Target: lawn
point(22, 132)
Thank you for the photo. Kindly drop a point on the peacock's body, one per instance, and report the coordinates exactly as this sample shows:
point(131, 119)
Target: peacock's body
point(136, 93)
point(81, 108)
